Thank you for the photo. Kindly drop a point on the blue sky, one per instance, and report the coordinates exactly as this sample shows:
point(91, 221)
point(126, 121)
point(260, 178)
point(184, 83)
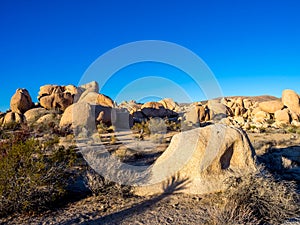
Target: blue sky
point(252, 47)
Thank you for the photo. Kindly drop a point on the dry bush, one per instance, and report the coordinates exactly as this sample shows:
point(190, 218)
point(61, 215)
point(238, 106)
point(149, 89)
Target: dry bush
point(101, 186)
point(32, 178)
point(255, 199)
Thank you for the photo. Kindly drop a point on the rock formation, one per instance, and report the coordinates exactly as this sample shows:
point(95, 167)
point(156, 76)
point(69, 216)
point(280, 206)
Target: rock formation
point(21, 101)
point(204, 158)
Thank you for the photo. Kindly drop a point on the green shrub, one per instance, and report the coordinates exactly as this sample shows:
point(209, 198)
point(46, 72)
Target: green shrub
point(293, 129)
point(30, 178)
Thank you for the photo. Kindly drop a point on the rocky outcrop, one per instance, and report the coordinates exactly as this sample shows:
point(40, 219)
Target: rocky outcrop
point(291, 100)
point(21, 101)
point(169, 103)
point(196, 114)
point(156, 109)
point(217, 110)
point(204, 158)
point(54, 97)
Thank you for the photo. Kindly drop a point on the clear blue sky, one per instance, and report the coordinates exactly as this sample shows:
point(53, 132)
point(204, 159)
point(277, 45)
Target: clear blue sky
point(252, 46)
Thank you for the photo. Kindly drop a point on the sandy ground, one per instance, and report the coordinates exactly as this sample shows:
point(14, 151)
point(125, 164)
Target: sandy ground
point(163, 209)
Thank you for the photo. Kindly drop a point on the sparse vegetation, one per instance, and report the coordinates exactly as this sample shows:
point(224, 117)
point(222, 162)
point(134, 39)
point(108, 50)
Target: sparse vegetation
point(255, 199)
point(31, 177)
point(293, 129)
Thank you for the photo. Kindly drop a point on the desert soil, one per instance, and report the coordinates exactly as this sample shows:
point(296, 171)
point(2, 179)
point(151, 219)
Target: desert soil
point(163, 209)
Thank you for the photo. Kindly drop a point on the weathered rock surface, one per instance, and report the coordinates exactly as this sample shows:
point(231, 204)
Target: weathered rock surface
point(169, 103)
point(261, 117)
point(204, 158)
point(34, 114)
point(271, 106)
point(282, 117)
point(12, 117)
point(55, 97)
point(197, 114)
point(79, 114)
point(93, 86)
point(21, 101)
point(217, 110)
point(291, 99)
point(94, 98)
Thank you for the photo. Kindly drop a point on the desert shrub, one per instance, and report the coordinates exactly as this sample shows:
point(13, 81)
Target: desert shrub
point(256, 199)
point(30, 179)
point(173, 126)
point(157, 126)
point(293, 129)
point(12, 126)
point(142, 128)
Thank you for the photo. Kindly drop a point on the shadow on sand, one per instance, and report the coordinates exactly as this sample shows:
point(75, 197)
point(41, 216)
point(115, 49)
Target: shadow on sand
point(173, 185)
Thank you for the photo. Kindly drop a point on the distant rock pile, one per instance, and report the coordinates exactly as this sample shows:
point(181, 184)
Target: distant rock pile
point(84, 105)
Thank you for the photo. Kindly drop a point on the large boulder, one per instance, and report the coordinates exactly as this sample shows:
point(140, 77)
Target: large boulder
point(217, 110)
point(282, 117)
point(271, 106)
point(93, 86)
point(169, 103)
point(261, 117)
point(80, 114)
point(205, 158)
point(94, 98)
point(21, 101)
point(12, 117)
point(196, 114)
point(291, 99)
point(34, 114)
point(55, 97)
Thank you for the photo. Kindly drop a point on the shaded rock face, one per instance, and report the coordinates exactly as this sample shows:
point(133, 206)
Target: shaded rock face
point(204, 158)
point(21, 101)
point(284, 161)
point(169, 103)
point(12, 117)
point(291, 99)
point(156, 109)
point(56, 97)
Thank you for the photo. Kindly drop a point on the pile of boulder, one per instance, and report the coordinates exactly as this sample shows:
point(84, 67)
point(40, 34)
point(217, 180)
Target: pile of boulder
point(85, 106)
point(246, 112)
